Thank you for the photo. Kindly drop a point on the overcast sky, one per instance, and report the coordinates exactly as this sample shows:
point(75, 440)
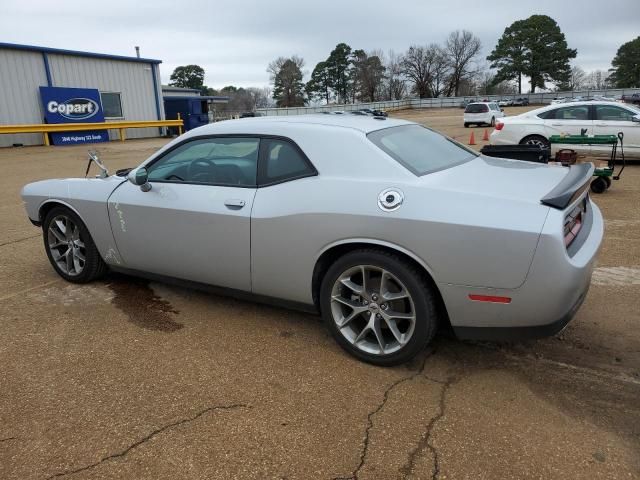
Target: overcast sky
point(235, 40)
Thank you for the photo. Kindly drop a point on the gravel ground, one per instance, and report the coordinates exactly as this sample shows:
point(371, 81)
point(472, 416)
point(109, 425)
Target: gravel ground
point(124, 378)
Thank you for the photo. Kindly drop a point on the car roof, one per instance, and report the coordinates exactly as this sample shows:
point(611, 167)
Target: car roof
point(363, 123)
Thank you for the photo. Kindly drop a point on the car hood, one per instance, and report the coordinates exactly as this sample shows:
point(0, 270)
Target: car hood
point(503, 178)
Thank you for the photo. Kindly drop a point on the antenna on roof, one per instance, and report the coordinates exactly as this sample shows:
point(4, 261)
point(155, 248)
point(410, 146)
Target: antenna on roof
point(137, 51)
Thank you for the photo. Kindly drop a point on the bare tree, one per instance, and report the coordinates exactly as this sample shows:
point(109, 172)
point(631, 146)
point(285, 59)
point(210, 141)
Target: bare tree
point(598, 80)
point(396, 85)
point(261, 97)
point(578, 78)
point(419, 65)
point(439, 71)
point(461, 48)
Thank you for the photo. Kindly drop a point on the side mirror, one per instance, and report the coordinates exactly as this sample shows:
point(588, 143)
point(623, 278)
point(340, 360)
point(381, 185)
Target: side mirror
point(140, 177)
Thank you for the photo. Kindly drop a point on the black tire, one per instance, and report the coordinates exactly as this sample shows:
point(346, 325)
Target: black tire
point(536, 140)
point(608, 180)
point(94, 267)
point(599, 185)
point(421, 293)
point(466, 125)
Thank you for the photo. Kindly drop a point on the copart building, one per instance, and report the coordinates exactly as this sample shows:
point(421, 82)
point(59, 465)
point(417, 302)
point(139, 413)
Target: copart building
point(50, 85)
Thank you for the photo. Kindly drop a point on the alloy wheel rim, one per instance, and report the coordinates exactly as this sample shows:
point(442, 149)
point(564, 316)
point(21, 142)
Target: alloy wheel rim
point(535, 141)
point(65, 245)
point(373, 309)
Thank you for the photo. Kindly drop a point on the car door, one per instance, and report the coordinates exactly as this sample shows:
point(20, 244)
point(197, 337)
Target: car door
point(570, 120)
point(194, 223)
point(611, 119)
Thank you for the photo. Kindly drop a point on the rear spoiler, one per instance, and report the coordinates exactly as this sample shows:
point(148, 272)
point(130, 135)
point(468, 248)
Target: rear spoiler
point(570, 187)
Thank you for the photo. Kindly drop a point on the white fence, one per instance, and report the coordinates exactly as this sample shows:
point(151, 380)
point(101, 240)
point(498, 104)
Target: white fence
point(444, 102)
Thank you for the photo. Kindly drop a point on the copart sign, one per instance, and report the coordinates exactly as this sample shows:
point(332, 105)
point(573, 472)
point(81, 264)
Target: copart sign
point(73, 105)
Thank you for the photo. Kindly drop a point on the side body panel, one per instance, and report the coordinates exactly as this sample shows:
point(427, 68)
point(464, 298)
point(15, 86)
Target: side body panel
point(460, 235)
point(88, 198)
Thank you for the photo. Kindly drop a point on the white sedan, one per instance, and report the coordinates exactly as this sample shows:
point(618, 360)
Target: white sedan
point(588, 117)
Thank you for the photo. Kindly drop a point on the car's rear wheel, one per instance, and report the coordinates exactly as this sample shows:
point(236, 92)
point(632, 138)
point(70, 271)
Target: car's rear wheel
point(535, 140)
point(70, 247)
point(378, 307)
point(599, 185)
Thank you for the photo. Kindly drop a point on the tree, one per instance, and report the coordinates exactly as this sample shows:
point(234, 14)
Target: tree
point(288, 89)
point(626, 65)
point(440, 70)
point(396, 86)
point(598, 80)
point(319, 86)
point(460, 49)
point(368, 76)
point(339, 70)
point(419, 65)
point(187, 76)
point(577, 79)
point(535, 47)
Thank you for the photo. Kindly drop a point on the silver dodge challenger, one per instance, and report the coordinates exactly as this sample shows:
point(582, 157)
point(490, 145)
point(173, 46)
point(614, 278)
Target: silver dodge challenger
point(385, 227)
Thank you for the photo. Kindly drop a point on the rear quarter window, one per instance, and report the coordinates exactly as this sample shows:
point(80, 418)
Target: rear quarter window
point(420, 149)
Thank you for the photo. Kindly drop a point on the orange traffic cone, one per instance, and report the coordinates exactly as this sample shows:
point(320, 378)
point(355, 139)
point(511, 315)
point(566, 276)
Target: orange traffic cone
point(472, 139)
point(485, 138)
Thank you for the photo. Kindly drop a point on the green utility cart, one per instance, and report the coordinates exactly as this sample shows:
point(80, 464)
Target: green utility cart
point(603, 176)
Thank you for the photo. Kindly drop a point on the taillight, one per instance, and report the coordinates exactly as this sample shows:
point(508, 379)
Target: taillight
point(499, 126)
point(573, 223)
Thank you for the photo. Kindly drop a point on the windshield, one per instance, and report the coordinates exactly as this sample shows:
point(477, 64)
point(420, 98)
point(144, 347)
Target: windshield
point(420, 149)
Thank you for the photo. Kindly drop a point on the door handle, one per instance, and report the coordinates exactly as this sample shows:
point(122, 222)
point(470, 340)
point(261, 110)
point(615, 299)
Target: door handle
point(234, 203)
point(556, 124)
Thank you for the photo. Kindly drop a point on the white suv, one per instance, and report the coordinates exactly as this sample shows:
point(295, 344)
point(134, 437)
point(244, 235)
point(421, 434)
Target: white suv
point(482, 113)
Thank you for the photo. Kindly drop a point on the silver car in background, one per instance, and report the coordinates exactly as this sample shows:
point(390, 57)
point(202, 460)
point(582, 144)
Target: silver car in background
point(385, 227)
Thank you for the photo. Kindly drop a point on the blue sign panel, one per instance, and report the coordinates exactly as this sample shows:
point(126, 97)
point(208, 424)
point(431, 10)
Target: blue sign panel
point(73, 105)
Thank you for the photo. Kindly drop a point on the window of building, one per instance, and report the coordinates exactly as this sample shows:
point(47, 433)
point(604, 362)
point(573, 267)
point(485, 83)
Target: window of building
point(111, 104)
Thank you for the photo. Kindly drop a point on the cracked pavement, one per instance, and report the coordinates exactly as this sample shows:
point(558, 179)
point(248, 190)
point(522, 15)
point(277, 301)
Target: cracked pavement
point(128, 379)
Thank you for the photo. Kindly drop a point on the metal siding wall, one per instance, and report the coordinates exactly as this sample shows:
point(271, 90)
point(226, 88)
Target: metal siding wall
point(21, 73)
point(133, 80)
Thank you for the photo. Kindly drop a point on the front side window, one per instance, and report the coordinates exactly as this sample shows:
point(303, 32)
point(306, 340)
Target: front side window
point(613, 114)
point(111, 104)
point(226, 161)
point(283, 161)
point(419, 149)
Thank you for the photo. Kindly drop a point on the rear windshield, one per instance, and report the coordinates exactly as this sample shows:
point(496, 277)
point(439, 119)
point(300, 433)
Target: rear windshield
point(420, 149)
point(476, 108)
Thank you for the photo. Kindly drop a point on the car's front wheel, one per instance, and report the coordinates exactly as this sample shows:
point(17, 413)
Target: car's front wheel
point(70, 247)
point(378, 307)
